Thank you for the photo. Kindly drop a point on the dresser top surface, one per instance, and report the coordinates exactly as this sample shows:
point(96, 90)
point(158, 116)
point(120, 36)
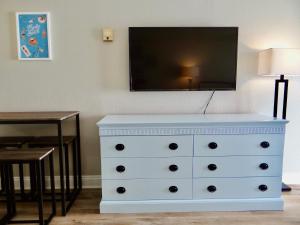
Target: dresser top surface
point(135, 119)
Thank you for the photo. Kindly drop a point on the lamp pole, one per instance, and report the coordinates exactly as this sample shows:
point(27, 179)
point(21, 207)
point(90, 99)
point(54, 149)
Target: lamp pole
point(285, 82)
point(285, 95)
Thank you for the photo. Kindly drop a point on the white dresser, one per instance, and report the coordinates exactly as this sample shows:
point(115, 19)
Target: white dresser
point(179, 163)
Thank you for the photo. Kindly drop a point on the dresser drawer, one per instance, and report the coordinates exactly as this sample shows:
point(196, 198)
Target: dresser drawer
point(237, 166)
point(146, 189)
point(128, 168)
point(146, 146)
point(205, 188)
point(254, 144)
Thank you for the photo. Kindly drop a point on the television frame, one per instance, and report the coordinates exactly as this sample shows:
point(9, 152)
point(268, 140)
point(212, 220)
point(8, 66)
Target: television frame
point(183, 89)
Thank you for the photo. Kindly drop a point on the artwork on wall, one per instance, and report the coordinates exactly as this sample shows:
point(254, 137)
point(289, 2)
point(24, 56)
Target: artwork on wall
point(33, 35)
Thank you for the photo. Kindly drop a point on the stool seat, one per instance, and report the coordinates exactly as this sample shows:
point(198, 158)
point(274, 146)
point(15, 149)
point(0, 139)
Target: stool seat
point(19, 139)
point(10, 145)
point(24, 155)
point(50, 141)
point(16, 142)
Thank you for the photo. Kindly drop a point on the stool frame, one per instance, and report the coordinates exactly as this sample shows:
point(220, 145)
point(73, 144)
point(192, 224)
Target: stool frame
point(10, 192)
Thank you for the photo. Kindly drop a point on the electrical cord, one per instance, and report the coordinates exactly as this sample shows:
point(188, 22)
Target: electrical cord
point(209, 100)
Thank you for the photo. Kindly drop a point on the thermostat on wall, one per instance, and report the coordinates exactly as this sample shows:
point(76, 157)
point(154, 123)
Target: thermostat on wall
point(107, 34)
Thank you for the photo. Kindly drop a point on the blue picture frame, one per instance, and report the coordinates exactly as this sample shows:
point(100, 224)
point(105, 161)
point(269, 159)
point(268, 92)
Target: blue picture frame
point(33, 35)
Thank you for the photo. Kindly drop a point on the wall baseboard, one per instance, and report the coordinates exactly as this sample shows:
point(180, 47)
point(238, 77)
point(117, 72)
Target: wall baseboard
point(88, 182)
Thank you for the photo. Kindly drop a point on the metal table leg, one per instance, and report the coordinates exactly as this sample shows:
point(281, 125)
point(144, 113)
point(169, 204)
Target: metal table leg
point(52, 183)
point(21, 175)
point(75, 162)
point(43, 176)
point(5, 186)
point(3, 178)
point(61, 168)
point(78, 151)
point(66, 147)
point(32, 180)
point(10, 191)
point(40, 192)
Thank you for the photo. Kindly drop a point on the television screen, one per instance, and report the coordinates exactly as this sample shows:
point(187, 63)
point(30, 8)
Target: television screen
point(182, 58)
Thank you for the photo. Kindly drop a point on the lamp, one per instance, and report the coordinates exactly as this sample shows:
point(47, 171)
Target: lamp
point(190, 72)
point(280, 62)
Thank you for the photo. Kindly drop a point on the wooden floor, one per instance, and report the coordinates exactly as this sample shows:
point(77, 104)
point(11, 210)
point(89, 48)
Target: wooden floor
point(85, 212)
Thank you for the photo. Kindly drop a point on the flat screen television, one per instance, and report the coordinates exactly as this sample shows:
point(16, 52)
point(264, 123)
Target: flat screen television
point(182, 58)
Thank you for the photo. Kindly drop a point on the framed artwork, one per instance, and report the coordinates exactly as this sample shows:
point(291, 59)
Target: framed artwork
point(33, 35)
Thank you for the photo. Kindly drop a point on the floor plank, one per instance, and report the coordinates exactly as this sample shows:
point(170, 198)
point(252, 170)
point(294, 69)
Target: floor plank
point(85, 212)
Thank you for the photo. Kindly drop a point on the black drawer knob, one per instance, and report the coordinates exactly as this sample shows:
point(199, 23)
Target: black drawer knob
point(173, 189)
point(263, 187)
point(121, 190)
point(173, 167)
point(120, 147)
point(265, 144)
point(264, 166)
point(211, 188)
point(212, 167)
point(212, 145)
point(120, 168)
point(173, 146)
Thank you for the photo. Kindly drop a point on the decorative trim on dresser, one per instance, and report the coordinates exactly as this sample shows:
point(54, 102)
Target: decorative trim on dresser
point(186, 131)
point(174, 163)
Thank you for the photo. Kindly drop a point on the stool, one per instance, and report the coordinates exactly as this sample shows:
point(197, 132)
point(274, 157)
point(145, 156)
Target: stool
point(52, 141)
point(32, 156)
point(12, 143)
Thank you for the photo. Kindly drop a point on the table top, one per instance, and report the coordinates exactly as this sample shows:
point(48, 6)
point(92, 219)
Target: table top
point(24, 154)
point(37, 116)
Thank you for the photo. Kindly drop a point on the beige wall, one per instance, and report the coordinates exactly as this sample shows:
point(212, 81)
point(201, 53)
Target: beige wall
point(91, 76)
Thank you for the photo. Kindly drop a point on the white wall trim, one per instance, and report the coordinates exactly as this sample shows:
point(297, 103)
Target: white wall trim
point(91, 181)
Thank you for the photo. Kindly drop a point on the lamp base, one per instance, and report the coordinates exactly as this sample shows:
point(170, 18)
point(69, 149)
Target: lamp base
point(285, 188)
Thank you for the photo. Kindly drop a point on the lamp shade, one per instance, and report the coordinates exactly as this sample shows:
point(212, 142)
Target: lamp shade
point(279, 61)
point(190, 71)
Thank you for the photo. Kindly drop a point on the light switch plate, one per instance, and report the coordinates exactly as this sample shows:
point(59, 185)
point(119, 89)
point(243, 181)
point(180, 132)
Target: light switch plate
point(108, 34)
